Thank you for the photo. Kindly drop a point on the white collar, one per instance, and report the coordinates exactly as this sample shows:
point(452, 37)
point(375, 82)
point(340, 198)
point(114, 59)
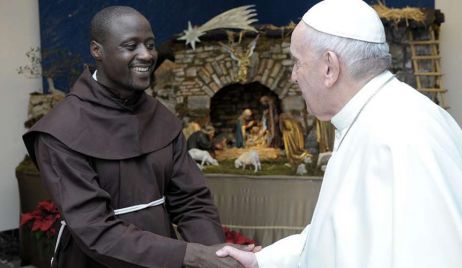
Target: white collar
point(94, 75)
point(347, 114)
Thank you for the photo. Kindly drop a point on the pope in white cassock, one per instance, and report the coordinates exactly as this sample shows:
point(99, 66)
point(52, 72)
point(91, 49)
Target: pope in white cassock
point(392, 191)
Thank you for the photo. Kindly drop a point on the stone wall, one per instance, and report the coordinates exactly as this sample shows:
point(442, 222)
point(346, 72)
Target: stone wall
point(397, 38)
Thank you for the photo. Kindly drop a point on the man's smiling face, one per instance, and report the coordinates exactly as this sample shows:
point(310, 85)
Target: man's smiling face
point(128, 54)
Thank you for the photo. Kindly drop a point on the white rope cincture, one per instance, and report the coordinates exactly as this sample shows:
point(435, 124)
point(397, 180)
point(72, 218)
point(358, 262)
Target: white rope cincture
point(119, 211)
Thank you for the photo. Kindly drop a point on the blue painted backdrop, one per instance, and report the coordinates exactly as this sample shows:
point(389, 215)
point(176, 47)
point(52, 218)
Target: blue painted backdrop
point(64, 24)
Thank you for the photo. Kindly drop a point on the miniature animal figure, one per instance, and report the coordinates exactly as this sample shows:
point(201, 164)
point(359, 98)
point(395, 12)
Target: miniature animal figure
point(248, 158)
point(301, 169)
point(203, 156)
point(199, 166)
point(308, 159)
point(323, 158)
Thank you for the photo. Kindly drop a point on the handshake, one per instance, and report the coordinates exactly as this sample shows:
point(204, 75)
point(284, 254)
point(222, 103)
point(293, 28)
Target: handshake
point(220, 256)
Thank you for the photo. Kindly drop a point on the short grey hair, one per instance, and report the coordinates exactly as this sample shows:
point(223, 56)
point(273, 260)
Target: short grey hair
point(363, 59)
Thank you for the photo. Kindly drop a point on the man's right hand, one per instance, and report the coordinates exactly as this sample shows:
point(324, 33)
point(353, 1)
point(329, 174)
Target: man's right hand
point(246, 258)
point(200, 256)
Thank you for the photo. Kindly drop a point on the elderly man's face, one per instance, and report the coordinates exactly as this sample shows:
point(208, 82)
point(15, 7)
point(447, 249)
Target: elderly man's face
point(307, 72)
point(129, 55)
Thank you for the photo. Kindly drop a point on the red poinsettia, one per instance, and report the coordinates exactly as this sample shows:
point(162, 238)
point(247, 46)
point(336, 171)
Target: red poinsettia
point(235, 237)
point(46, 214)
point(43, 218)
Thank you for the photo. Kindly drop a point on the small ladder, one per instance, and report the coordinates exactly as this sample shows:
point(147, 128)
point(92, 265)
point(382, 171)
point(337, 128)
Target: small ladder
point(427, 66)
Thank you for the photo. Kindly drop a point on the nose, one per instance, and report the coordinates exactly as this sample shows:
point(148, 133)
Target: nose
point(147, 54)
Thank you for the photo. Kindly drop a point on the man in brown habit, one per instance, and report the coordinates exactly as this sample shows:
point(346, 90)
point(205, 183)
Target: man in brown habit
point(115, 162)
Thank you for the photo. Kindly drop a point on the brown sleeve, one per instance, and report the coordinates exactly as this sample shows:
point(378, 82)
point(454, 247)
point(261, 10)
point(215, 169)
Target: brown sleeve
point(189, 201)
point(89, 217)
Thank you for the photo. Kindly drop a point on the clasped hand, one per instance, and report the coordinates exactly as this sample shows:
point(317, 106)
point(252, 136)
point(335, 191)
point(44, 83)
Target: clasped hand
point(220, 256)
point(246, 257)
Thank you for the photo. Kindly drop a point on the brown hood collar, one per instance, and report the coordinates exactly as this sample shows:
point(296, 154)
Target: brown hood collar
point(92, 121)
point(103, 96)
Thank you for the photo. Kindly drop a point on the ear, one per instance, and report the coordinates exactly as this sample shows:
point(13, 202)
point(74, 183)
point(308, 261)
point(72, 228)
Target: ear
point(332, 68)
point(96, 50)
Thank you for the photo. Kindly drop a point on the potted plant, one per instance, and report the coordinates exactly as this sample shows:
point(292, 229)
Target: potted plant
point(40, 226)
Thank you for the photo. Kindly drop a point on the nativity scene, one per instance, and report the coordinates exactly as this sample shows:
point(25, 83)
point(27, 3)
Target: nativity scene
point(237, 79)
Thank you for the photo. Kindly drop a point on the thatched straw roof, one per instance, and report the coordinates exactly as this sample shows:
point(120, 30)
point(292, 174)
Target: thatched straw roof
point(410, 16)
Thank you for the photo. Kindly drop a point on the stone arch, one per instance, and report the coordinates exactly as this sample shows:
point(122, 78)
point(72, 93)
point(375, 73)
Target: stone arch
point(274, 74)
point(220, 73)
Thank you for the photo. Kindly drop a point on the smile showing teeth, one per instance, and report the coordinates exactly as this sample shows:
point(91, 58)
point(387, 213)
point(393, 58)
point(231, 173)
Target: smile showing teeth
point(141, 69)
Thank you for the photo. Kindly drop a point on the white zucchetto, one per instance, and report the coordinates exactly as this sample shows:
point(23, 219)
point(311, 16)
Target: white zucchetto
point(353, 19)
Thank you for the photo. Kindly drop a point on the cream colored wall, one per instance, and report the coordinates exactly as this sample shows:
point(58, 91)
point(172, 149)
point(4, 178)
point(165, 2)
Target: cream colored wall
point(451, 53)
point(19, 29)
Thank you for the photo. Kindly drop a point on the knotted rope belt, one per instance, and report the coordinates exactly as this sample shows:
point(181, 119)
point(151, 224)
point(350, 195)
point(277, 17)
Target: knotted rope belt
point(119, 211)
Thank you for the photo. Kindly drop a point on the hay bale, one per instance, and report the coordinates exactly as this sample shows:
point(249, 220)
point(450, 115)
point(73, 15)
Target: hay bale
point(395, 15)
point(264, 153)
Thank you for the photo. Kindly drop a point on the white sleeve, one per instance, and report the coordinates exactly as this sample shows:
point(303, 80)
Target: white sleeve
point(283, 253)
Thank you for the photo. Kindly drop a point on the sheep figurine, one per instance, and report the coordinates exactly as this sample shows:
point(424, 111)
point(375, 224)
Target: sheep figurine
point(323, 158)
point(248, 158)
point(203, 156)
point(301, 169)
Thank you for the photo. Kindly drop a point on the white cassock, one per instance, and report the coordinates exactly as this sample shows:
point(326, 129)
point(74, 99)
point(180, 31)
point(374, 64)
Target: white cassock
point(392, 191)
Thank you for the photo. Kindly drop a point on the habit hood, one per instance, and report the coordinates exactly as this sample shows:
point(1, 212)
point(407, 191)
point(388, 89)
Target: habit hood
point(92, 121)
